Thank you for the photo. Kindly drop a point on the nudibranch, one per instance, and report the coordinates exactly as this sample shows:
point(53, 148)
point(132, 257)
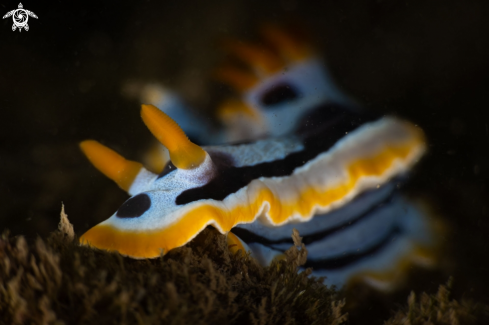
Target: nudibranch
point(318, 164)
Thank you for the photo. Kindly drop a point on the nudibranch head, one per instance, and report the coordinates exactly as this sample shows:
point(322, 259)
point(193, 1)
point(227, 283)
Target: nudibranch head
point(136, 228)
point(282, 74)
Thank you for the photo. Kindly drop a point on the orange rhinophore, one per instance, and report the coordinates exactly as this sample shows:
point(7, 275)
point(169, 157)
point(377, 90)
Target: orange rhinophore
point(111, 164)
point(183, 153)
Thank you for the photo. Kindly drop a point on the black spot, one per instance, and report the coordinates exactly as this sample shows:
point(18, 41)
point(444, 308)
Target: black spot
point(279, 94)
point(135, 206)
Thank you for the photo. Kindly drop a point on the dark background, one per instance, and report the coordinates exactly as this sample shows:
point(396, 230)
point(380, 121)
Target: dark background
point(63, 81)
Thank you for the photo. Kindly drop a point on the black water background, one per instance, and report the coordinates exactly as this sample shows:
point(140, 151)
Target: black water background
point(63, 80)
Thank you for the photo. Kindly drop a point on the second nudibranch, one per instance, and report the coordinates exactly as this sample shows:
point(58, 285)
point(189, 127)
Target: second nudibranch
point(273, 182)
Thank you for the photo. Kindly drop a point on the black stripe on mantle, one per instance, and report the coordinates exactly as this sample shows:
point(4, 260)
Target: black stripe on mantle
point(249, 237)
point(319, 130)
point(338, 262)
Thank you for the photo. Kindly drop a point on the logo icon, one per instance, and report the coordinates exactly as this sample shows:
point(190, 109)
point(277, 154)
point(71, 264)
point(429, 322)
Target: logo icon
point(20, 17)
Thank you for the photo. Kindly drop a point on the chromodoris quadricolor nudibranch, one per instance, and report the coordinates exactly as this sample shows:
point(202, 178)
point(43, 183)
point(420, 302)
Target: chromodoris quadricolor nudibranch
point(318, 164)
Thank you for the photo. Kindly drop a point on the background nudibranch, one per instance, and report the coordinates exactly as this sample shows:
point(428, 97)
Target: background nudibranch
point(319, 164)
